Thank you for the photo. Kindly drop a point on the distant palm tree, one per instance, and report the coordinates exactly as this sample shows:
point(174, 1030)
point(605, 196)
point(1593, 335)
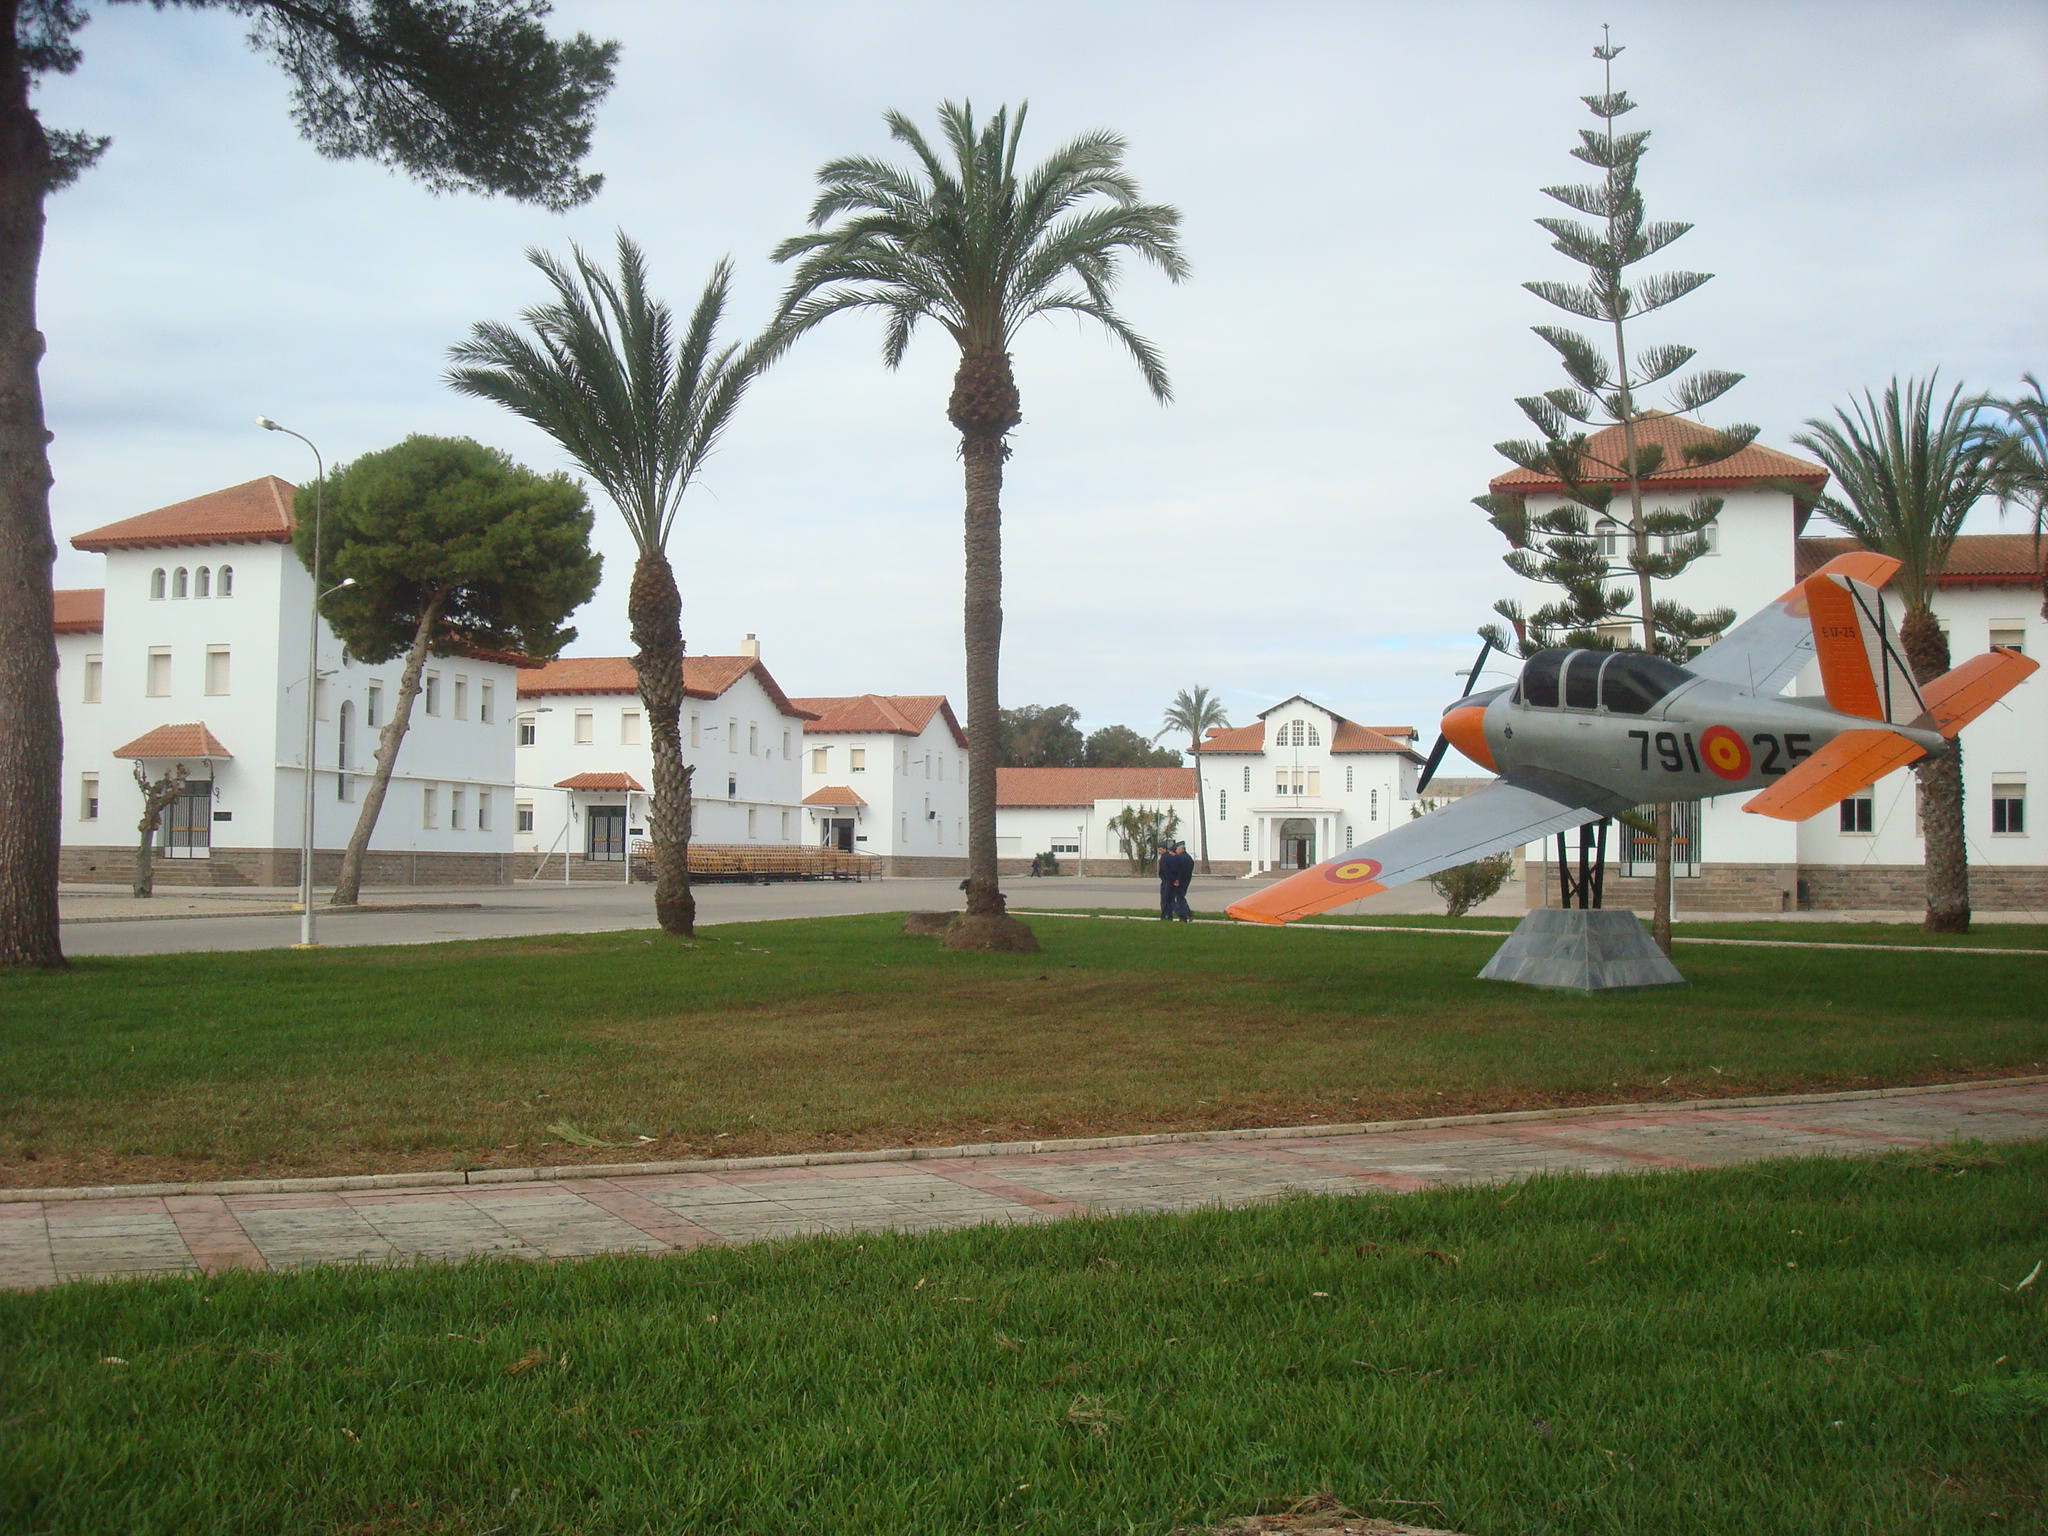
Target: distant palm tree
point(602, 372)
point(1193, 713)
point(963, 240)
point(1909, 472)
point(2022, 479)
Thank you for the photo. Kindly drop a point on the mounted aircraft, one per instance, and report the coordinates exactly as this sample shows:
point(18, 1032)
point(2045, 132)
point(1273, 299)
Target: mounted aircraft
point(1585, 734)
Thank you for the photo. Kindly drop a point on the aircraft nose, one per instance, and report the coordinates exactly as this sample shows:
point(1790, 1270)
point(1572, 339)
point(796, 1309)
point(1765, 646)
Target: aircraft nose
point(1466, 729)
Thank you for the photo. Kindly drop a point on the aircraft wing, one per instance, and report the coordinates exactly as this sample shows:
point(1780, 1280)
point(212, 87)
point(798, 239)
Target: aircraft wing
point(1502, 815)
point(1767, 650)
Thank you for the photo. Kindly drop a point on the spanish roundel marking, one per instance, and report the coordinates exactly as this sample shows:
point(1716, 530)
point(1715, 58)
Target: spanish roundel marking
point(1352, 871)
point(1727, 754)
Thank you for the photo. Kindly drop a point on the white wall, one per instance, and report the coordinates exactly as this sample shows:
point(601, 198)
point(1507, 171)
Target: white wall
point(1349, 797)
point(915, 788)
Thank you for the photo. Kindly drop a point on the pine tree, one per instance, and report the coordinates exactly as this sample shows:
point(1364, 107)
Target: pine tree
point(1599, 437)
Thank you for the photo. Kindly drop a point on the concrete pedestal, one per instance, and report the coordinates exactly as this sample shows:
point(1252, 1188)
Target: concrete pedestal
point(1581, 951)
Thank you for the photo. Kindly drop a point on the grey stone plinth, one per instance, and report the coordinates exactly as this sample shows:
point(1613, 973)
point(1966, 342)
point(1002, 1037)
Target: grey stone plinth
point(1581, 951)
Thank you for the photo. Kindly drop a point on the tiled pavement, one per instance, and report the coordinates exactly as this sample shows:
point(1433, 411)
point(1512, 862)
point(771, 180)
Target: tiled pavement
point(48, 1241)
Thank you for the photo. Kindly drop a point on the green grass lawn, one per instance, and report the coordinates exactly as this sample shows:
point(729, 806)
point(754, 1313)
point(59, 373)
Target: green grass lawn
point(842, 1032)
point(1795, 1349)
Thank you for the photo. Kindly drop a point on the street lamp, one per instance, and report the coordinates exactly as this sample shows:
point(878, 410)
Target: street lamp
point(306, 939)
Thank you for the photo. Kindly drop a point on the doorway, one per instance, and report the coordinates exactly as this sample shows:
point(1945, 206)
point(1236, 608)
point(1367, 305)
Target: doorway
point(1297, 843)
point(839, 833)
point(187, 831)
point(605, 833)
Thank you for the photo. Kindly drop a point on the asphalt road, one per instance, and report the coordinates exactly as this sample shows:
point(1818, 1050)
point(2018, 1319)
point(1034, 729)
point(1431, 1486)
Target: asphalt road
point(492, 912)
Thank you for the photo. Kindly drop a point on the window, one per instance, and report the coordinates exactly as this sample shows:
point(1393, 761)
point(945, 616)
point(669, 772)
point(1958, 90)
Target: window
point(1349, 781)
point(217, 669)
point(1350, 841)
point(430, 805)
point(433, 693)
point(319, 698)
point(785, 826)
point(1582, 679)
point(156, 584)
point(159, 672)
point(1373, 814)
point(694, 733)
point(753, 739)
point(1315, 781)
point(1247, 838)
point(2011, 636)
point(373, 705)
point(753, 822)
point(629, 727)
point(1538, 685)
point(1632, 681)
point(785, 744)
point(89, 797)
point(2009, 809)
point(818, 759)
point(586, 727)
point(461, 697)
point(1610, 535)
point(903, 827)
point(89, 689)
point(202, 582)
point(527, 730)
point(1247, 778)
point(344, 751)
point(522, 816)
point(1616, 635)
point(457, 807)
point(483, 810)
point(1858, 813)
point(224, 581)
point(856, 759)
point(927, 765)
point(732, 786)
point(1222, 805)
point(181, 581)
point(732, 735)
point(486, 699)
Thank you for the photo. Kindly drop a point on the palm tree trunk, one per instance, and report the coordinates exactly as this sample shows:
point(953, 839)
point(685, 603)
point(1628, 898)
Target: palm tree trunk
point(348, 885)
point(31, 728)
point(1201, 803)
point(1941, 789)
point(654, 607)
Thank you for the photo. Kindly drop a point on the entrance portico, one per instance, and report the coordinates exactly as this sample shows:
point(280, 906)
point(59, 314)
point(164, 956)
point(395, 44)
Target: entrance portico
point(1293, 836)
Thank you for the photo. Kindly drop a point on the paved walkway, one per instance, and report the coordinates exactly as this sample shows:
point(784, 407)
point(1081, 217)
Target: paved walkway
point(515, 1214)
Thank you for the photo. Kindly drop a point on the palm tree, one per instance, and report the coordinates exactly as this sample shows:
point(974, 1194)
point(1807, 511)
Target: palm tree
point(964, 240)
point(1194, 711)
point(637, 408)
point(1909, 472)
point(2023, 466)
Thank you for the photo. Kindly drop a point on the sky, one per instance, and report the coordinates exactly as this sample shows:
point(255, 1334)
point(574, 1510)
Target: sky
point(1868, 182)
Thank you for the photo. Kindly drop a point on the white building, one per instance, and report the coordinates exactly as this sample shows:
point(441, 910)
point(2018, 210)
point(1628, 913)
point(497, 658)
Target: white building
point(1869, 853)
point(194, 652)
point(886, 775)
point(1303, 785)
point(586, 769)
point(1067, 812)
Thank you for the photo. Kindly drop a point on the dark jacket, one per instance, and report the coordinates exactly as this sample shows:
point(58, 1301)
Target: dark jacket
point(1176, 869)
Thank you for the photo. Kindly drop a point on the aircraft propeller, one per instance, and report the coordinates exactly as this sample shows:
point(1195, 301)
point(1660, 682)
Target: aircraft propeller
point(1436, 753)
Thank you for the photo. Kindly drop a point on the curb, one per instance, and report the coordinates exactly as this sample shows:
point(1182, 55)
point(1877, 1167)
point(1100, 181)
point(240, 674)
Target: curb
point(571, 1171)
point(367, 909)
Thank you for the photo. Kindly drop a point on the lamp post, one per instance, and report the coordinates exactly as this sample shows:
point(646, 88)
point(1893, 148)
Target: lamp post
point(306, 938)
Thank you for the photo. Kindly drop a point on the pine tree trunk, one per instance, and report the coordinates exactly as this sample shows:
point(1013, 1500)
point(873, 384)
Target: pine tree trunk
point(1941, 789)
point(983, 408)
point(1201, 804)
point(348, 885)
point(654, 607)
point(31, 728)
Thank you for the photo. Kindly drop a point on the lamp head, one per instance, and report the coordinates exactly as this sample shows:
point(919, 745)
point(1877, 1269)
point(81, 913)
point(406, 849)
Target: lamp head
point(267, 424)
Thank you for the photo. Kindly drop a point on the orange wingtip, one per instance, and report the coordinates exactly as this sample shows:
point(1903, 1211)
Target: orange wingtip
point(1335, 884)
point(1863, 564)
point(1958, 697)
point(1853, 760)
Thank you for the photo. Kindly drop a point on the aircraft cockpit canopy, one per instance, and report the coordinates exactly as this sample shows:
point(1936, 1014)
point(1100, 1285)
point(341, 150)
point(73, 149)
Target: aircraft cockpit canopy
point(1623, 682)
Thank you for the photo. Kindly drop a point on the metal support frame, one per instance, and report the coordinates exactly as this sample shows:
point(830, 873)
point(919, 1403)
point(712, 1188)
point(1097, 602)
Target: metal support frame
point(1583, 890)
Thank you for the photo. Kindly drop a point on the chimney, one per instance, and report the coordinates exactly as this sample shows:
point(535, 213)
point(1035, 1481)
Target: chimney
point(751, 648)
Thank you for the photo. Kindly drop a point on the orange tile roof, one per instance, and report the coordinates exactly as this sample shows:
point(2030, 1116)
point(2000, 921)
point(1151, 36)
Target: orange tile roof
point(175, 741)
point(704, 677)
point(1350, 737)
point(600, 781)
point(833, 794)
point(1353, 737)
point(1977, 560)
point(81, 610)
point(1235, 738)
point(1753, 465)
point(258, 512)
point(1084, 786)
point(897, 714)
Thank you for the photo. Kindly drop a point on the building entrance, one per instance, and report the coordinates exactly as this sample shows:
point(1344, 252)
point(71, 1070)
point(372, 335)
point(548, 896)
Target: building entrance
point(605, 829)
point(1297, 843)
point(839, 833)
point(187, 831)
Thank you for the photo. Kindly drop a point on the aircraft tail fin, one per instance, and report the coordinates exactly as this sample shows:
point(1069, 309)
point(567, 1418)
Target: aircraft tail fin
point(1956, 698)
point(1862, 666)
point(1853, 760)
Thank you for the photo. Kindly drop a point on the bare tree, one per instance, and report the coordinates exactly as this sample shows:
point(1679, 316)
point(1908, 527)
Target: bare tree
point(157, 797)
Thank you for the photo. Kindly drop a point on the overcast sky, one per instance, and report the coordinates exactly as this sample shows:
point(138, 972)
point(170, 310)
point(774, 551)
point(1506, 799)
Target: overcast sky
point(1869, 183)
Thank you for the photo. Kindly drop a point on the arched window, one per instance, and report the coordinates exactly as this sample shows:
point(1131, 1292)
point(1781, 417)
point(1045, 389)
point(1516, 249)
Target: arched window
point(1608, 532)
point(344, 735)
point(1314, 737)
point(156, 582)
point(180, 580)
point(202, 582)
point(224, 585)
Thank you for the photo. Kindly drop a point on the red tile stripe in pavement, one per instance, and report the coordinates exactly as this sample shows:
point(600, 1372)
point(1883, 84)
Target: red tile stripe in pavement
point(1293, 1157)
point(1811, 1127)
point(959, 1172)
point(657, 1221)
point(1536, 1136)
point(211, 1234)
